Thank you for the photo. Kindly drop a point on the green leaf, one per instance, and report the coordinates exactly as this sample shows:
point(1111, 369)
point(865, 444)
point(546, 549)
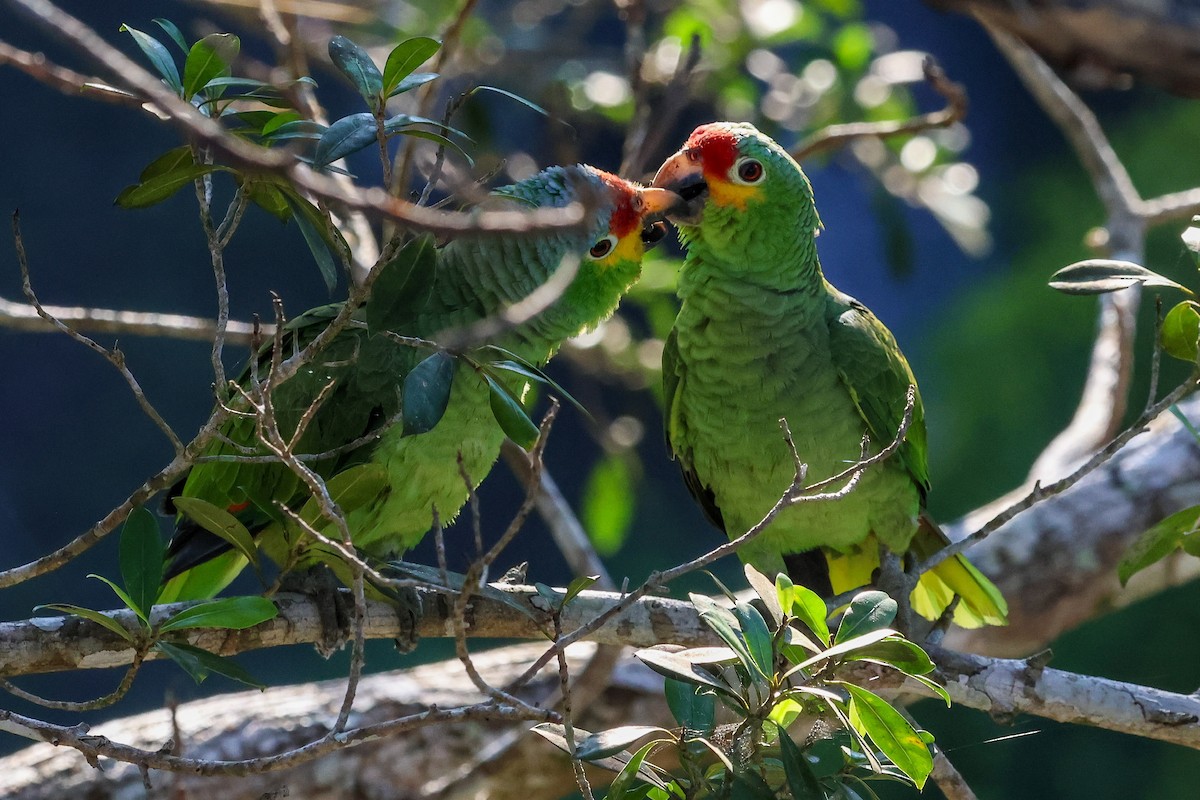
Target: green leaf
point(805, 605)
point(906, 656)
point(164, 184)
point(621, 784)
point(932, 686)
point(233, 613)
point(676, 667)
point(523, 366)
point(312, 224)
point(209, 58)
point(97, 617)
point(692, 708)
point(825, 757)
point(404, 60)
point(843, 648)
point(852, 46)
point(411, 82)
point(891, 733)
point(356, 64)
point(800, 778)
point(403, 287)
point(609, 500)
point(219, 522)
point(201, 663)
point(1180, 331)
point(869, 611)
point(159, 56)
point(141, 555)
point(527, 103)
point(757, 636)
point(750, 786)
point(347, 135)
point(510, 414)
point(268, 197)
point(786, 711)
point(723, 622)
point(1157, 542)
point(1100, 275)
point(614, 740)
point(576, 586)
point(173, 31)
point(168, 162)
point(426, 392)
point(122, 595)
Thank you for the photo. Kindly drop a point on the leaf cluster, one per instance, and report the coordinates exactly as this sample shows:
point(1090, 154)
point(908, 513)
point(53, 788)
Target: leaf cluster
point(795, 726)
point(142, 560)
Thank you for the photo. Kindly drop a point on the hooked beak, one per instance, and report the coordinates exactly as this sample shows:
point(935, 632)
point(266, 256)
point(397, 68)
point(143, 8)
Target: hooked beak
point(684, 176)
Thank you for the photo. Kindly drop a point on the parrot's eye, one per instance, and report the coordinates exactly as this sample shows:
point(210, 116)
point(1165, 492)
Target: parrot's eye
point(603, 247)
point(749, 170)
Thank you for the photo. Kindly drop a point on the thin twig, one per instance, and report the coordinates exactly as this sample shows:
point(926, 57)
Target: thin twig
point(837, 135)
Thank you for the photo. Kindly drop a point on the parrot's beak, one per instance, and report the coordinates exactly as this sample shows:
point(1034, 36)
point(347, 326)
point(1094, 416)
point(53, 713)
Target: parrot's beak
point(683, 174)
point(656, 204)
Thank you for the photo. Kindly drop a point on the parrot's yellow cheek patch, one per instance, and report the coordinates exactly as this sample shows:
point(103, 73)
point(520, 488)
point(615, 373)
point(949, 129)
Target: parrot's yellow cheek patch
point(725, 193)
point(629, 248)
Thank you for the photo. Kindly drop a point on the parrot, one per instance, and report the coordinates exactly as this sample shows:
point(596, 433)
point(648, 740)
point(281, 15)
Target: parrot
point(358, 378)
point(762, 335)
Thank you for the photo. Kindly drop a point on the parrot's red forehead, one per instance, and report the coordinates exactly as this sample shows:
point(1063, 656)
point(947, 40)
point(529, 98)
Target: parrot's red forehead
point(715, 146)
point(626, 217)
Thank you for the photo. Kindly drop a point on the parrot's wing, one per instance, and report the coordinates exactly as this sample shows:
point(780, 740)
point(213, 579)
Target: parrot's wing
point(877, 376)
point(673, 376)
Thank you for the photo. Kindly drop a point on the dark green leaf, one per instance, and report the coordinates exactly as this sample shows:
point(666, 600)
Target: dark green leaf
point(404, 60)
point(725, 624)
point(234, 613)
point(1100, 275)
point(800, 778)
point(523, 366)
point(403, 287)
point(312, 224)
point(295, 129)
point(614, 740)
point(209, 58)
point(142, 554)
point(347, 135)
point(173, 31)
point(356, 64)
point(671, 665)
point(757, 636)
point(219, 522)
point(609, 500)
point(95, 616)
point(693, 709)
point(750, 786)
point(170, 161)
point(902, 654)
point(412, 82)
point(869, 611)
point(510, 414)
point(527, 103)
point(805, 605)
point(890, 732)
point(159, 56)
point(1180, 330)
point(163, 185)
point(281, 118)
point(427, 392)
point(1158, 542)
point(824, 757)
point(201, 663)
point(578, 585)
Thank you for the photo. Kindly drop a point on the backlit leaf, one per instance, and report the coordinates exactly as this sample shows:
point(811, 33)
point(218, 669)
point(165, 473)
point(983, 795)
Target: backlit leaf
point(1157, 542)
point(164, 184)
point(609, 501)
point(209, 58)
point(234, 613)
point(511, 415)
point(805, 605)
point(404, 60)
point(890, 732)
point(219, 522)
point(1180, 330)
point(351, 488)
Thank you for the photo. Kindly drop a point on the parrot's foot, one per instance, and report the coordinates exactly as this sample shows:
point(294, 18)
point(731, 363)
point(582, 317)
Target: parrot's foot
point(334, 609)
point(407, 602)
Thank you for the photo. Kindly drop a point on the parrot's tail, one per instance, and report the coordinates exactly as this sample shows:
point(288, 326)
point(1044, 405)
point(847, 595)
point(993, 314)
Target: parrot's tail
point(980, 601)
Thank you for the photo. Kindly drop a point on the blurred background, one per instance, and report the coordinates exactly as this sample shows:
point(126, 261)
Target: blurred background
point(949, 236)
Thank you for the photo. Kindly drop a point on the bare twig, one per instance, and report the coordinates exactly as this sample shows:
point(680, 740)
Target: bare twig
point(837, 135)
point(23, 317)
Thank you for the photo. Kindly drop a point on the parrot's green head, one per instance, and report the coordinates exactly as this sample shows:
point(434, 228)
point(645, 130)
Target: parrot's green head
point(626, 220)
point(744, 197)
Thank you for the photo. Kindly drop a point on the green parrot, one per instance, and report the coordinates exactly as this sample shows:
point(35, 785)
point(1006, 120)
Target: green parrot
point(762, 335)
point(473, 278)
